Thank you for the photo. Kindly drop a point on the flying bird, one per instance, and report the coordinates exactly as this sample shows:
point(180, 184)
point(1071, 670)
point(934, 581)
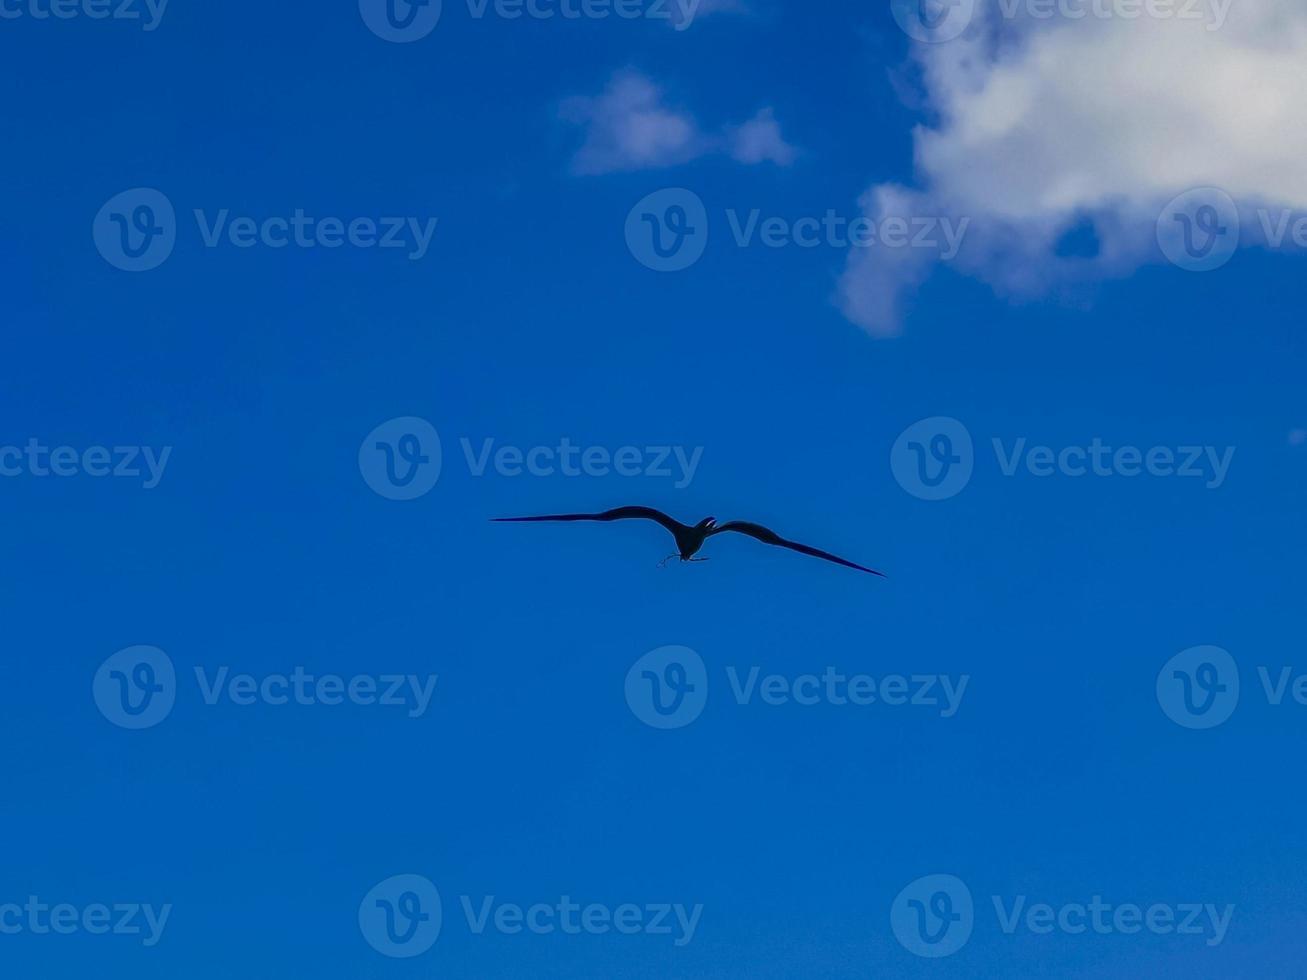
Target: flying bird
point(690, 539)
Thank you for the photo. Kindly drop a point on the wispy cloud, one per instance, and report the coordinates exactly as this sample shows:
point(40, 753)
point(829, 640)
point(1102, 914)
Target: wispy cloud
point(760, 141)
point(1046, 125)
point(631, 126)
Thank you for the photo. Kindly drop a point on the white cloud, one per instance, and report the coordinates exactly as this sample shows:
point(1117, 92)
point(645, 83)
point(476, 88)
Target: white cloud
point(1042, 124)
point(760, 141)
point(629, 126)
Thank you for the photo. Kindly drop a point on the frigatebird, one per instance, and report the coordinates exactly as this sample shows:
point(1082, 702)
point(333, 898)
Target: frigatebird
point(690, 539)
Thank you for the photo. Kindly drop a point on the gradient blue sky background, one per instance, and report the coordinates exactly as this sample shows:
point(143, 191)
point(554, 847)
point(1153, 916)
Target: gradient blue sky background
point(529, 320)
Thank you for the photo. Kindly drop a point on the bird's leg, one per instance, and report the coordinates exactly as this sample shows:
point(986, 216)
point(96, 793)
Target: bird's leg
point(697, 559)
point(663, 563)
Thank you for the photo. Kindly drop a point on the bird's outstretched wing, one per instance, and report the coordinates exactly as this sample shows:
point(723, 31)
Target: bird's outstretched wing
point(771, 537)
point(620, 514)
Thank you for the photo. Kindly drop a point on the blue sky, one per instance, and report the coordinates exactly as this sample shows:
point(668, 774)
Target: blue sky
point(260, 379)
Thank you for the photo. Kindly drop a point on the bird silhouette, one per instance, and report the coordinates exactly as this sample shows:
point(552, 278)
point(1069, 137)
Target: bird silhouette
point(690, 539)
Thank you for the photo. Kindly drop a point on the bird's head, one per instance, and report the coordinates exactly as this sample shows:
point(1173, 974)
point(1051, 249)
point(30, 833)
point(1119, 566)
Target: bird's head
point(708, 523)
